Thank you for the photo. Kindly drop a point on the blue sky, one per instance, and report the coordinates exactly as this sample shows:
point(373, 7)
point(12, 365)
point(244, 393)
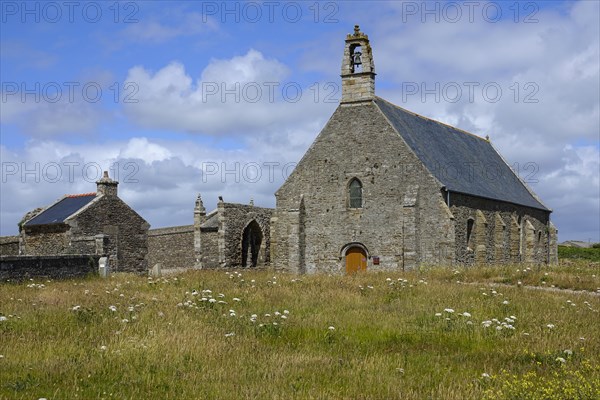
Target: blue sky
point(222, 98)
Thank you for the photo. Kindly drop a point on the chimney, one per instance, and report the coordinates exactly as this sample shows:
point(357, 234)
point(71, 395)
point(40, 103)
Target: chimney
point(106, 186)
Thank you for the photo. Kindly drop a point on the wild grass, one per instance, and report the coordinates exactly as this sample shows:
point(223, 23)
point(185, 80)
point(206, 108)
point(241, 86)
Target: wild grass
point(590, 254)
point(572, 274)
point(266, 335)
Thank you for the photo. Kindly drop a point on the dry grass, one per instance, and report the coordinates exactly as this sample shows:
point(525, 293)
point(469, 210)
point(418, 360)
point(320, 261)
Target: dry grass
point(387, 341)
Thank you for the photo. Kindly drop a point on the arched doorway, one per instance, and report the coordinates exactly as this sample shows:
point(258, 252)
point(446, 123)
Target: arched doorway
point(356, 259)
point(251, 241)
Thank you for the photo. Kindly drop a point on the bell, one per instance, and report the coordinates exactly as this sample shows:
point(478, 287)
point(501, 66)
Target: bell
point(356, 58)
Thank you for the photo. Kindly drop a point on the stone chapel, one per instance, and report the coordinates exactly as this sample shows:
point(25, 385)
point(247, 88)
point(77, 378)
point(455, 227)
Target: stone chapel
point(384, 188)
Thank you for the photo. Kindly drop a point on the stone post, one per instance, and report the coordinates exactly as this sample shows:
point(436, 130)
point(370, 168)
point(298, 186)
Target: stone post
point(552, 244)
point(199, 219)
point(103, 267)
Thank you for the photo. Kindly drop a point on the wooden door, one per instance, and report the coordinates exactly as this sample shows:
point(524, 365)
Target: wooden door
point(356, 260)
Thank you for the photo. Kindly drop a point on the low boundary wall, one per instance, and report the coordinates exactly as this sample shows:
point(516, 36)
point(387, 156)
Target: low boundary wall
point(20, 268)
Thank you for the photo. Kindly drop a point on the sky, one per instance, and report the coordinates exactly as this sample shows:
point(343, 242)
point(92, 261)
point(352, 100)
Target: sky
point(223, 98)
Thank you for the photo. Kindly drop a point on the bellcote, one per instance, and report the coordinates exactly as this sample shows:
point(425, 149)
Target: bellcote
point(358, 69)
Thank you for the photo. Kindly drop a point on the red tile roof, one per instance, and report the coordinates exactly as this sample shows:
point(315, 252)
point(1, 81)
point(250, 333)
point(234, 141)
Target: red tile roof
point(81, 195)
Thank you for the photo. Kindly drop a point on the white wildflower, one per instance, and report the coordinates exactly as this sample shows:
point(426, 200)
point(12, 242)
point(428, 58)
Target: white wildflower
point(449, 310)
point(550, 326)
point(561, 360)
point(112, 308)
point(230, 334)
point(466, 314)
point(76, 308)
point(331, 328)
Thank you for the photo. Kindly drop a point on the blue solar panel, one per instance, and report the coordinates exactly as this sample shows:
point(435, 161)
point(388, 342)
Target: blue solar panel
point(61, 210)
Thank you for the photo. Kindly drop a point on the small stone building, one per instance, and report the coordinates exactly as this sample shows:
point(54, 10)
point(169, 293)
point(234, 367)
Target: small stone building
point(384, 188)
point(90, 223)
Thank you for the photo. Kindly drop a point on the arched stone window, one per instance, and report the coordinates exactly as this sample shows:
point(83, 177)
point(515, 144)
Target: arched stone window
point(355, 194)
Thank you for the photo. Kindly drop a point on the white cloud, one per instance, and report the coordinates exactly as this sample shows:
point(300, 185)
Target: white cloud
point(242, 95)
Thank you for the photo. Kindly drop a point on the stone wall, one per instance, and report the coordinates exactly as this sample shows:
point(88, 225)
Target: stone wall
point(503, 233)
point(173, 247)
point(9, 245)
point(403, 220)
point(20, 268)
point(44, 240)
point(210, 249)
point(85, 245)
point(233, 219)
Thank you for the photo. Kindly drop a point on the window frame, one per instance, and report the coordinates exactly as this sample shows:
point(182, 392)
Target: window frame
point(351, 198)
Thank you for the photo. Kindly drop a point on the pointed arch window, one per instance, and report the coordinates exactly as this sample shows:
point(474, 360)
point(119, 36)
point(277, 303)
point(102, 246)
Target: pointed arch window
point(355, 194)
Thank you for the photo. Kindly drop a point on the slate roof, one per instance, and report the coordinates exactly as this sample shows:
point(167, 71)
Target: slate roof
point(58, 212)
point(461, 161)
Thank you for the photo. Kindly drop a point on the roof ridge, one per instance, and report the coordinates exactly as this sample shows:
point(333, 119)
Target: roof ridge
point(432, 120)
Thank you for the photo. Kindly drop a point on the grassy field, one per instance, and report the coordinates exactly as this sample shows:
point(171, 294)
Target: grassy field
point(591, 254)
point(262, 335)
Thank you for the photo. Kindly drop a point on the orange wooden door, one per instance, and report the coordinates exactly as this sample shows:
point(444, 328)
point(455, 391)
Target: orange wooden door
point(356, 260)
